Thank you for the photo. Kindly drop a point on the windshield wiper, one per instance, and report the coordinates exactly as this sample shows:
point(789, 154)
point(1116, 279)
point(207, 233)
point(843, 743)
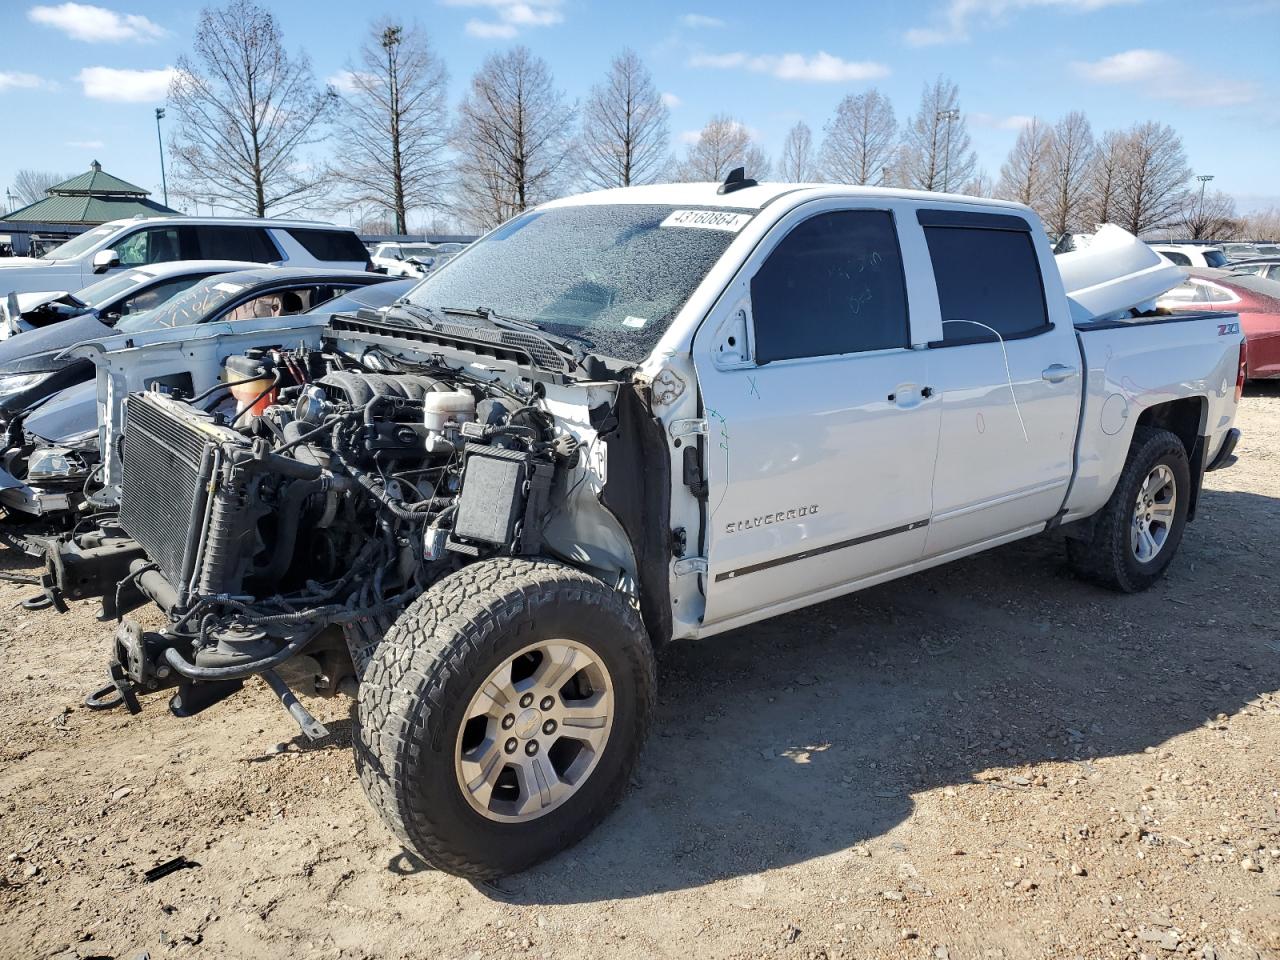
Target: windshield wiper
point(574, 344)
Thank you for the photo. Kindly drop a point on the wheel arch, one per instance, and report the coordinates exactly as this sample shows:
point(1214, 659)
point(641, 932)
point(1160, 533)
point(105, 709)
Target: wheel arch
point(1185, 419)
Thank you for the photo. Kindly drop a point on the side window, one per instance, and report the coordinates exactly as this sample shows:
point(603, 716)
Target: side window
point(154, 245)
point(236, 243)
point(154, 295)
point(334, 246)
point(987, 276)
point(1273, 272)
point(1181, 259)
point(833, 285)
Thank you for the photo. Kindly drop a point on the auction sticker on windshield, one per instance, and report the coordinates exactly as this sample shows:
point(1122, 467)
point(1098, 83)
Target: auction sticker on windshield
point(708, 220)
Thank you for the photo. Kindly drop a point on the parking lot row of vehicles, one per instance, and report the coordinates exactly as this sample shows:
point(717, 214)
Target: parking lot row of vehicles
point(617, 421)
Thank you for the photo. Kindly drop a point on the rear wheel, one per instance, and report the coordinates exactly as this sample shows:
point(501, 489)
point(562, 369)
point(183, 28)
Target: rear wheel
point(502, 715)
point(1137, 533)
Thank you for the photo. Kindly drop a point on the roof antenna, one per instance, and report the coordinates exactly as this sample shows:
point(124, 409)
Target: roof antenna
point(736, 180)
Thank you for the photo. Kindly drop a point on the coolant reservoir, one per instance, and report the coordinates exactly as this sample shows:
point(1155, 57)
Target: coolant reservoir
point(448, 410)
point(257, 374)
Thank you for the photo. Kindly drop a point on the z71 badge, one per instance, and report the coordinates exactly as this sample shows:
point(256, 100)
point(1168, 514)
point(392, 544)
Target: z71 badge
point(1226, 329)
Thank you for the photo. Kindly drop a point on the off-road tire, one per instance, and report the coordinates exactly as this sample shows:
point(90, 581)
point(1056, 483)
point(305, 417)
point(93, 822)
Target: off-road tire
point(1107, 558)
point(418, 685)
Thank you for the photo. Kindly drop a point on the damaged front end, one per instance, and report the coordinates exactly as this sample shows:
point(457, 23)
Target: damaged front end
point(284, 520)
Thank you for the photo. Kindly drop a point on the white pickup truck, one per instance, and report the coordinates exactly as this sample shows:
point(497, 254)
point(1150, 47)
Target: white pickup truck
point(625, 418)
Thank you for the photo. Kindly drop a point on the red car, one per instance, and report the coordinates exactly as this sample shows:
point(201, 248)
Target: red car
point(1256, 299)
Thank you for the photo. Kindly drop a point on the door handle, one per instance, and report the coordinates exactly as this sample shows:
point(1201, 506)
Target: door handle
point(1057, 372)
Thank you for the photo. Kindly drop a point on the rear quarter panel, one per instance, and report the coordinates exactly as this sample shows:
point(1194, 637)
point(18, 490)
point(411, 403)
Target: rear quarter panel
point(1133, 367)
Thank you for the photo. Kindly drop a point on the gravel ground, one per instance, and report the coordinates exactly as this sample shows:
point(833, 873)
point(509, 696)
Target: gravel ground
point(991, 760)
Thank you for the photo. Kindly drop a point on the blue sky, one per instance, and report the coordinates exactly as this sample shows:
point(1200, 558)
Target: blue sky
point(79, 81)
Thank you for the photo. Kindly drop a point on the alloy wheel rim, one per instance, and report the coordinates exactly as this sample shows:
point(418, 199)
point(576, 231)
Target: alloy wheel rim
point(534, 731)
point(1153, 514)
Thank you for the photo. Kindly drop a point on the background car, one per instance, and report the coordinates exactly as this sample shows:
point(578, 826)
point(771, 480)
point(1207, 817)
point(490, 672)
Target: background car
point(1256, 299)
point(114, 296)
point(1192, 254)
point(1266, 267)
point(123, 244)
point(52, 448)
point(412, 259)
point(32, 365)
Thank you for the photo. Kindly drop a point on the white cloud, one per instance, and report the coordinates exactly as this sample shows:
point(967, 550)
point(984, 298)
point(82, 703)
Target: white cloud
point(954, 19)
point(486, 29)
point(509, 17)
point(1163, 76)
point(20, 81)
point(671, 100)
point(125, 86)
point(345, 81)
point(698, 21)
point(86, 144)
point(1014, 121)
point(820, 67)
point(82, 21)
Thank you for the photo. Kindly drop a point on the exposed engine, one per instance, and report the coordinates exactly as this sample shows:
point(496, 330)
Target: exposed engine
point(293, 511)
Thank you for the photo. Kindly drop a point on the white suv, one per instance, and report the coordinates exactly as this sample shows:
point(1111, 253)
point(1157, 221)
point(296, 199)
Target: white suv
point(122, 244)
point(1192, 254)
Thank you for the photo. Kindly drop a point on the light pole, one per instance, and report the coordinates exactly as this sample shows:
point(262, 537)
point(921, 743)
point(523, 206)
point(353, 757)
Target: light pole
point(8, 200)
point(1201, 226)
point(948, 116)
point(160, 140)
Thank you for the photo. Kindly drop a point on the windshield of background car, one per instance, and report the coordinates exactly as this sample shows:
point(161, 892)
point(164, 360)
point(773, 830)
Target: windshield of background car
point(194, 305)
point(78, 245)
point(104, 291)
point(1215, 258)
point(614, 274)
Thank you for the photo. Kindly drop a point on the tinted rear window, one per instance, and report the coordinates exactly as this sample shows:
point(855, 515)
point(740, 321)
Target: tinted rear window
point(988, 277)
point(236, 243)
point(1215, 258)
point(337, 246)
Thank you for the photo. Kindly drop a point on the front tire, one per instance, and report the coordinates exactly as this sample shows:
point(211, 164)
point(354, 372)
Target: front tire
point(1137, 533)
point(502, 716)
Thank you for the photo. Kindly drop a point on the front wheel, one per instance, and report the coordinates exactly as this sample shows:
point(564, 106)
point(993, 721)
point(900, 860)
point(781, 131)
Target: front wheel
point(501, 717)
point(1137, 533)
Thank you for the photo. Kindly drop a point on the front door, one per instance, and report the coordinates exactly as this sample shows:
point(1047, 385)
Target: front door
point(822, 432)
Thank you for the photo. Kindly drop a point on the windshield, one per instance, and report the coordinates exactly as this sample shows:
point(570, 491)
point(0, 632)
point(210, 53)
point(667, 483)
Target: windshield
point(98, 295)
point(192, 306)
point(614, 274)
point(78, 245)
point(1215, 258)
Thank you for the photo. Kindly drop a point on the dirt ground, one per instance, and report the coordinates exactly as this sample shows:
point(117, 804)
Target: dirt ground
point(991, 760)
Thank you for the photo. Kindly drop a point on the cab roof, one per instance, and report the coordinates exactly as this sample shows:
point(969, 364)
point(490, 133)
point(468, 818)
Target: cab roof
point(759, 196)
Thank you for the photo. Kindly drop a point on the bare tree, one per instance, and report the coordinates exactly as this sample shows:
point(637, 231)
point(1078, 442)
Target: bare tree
point(32, 185)
point(722, 145)
point(1025, 174)
point(936, 152)
point(1103, 204)
point(979, 185)
point(1153, 177)
point(860, 139)
point(393, 124)
point(1262, 224)
point(513, 138)
point(624, 126)
point(1210, 216)
point(797, 164)
point(1070, 162)
point(247, 111)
